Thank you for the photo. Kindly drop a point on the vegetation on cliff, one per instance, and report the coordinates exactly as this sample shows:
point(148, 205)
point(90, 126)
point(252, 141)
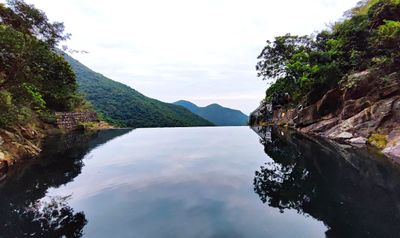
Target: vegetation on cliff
point(34, 79)
point(307, 67)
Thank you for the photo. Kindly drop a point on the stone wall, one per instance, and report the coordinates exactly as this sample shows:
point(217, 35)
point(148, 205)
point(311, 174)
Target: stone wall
point(71, 120)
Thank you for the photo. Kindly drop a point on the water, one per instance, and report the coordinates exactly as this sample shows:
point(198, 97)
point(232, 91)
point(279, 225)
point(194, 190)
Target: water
point(201, 182)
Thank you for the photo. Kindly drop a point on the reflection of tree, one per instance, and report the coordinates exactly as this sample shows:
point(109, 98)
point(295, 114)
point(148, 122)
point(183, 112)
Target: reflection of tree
point(46, 219)
point(23, 212)
point(282, 186)
point(351, 191)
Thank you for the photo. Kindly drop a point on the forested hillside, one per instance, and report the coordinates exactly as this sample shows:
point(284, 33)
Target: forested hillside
point(217, 114)
point(124, 106)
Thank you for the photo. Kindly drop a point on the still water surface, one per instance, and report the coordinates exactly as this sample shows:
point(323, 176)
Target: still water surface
point(201, 182)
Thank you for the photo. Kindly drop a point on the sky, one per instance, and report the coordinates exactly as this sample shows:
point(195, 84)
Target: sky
point(204, 51)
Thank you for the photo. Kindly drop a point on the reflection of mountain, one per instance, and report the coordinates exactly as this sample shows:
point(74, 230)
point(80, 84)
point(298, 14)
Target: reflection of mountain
point(22, 213)
point(353, 191)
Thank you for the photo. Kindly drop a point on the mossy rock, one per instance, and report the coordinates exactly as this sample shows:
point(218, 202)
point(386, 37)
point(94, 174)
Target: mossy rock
point(378, 140)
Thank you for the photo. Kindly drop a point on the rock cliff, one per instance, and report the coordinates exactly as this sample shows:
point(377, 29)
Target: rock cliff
point(362, 110)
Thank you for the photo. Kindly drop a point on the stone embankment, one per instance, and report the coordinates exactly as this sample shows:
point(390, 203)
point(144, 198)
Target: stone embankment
point(71, 120)
point(367, 112)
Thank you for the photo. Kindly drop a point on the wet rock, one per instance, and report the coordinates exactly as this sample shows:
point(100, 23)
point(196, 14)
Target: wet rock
point(2, 156)
point(320, 126)
point(393, 151)
point(359, 140)
point(344, 135)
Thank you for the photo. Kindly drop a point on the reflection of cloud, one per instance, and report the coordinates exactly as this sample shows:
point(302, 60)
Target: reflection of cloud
point(170, 182)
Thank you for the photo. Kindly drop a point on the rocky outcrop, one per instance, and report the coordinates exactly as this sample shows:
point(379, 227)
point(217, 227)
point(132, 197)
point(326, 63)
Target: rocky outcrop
point(18, 143)
point(360, 107)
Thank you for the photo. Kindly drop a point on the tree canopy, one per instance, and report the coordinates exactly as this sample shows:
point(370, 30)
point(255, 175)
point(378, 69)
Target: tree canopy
point(33, 77)
point(308, 66)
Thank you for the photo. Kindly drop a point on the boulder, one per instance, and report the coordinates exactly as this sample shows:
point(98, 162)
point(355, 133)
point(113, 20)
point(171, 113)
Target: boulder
point(359, 140)
point(330, 103)
point(393, 151)
point(344, 136)
point(352, 107)
point(307, 116)
point(358, 85)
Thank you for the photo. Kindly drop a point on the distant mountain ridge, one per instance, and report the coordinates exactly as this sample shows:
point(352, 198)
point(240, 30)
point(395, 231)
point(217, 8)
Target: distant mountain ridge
point(124, 106)
point(217, 114)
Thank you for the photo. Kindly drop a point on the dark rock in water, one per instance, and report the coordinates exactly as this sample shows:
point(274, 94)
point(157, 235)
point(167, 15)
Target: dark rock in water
point(3, 167)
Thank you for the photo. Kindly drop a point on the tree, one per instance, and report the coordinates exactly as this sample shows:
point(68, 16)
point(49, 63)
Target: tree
point(33, 77)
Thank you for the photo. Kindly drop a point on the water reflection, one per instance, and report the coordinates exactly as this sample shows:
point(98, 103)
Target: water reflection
point(355, 192)
point(23, 213)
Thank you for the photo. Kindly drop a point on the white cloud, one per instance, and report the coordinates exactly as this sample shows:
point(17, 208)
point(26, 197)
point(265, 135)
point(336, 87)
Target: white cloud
point(204, 51)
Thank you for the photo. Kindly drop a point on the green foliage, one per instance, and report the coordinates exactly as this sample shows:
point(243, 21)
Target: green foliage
point(308, 66)
point(6, 108)
point(125, 107)
point(25, 18)
point(378, 140)
point(48, 117)
point(33, 77)
point(37, 100)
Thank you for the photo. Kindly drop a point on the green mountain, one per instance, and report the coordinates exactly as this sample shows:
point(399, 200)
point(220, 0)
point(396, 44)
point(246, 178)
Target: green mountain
point(220, 116)
point(124, 106)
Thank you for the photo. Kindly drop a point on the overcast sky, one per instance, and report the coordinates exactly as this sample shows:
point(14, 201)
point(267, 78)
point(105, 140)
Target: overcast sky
point(203, 51)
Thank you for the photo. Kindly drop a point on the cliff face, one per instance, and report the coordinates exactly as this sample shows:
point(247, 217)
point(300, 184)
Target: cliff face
point(362, 110)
